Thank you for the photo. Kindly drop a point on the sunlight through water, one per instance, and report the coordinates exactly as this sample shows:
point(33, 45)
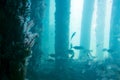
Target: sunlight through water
point(75, 22)
point(93, 27)
point(107, 25)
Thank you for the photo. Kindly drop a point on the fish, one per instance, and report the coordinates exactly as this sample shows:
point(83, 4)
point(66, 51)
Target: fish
point(108, 50)
point(78, 47)
point(104, 49)
point(50, 60)
point(52, 55)
point(73, 35)
point(99, 44)
point(71, 53)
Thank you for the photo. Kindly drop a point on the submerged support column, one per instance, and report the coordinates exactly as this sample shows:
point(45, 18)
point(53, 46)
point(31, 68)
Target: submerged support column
point(15, 47)
point(37, 13)
point(88, 8)
point(100, 25)
point(61, 33)
point(115, 30)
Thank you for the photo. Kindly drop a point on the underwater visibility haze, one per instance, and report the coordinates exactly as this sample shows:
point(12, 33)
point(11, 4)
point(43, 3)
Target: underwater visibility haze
point(59, 40)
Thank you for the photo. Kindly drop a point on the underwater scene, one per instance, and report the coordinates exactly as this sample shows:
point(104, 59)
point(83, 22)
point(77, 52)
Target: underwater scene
point(59, 39)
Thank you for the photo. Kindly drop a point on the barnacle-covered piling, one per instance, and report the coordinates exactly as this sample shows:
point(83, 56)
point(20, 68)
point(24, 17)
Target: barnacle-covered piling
point(16, 40)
